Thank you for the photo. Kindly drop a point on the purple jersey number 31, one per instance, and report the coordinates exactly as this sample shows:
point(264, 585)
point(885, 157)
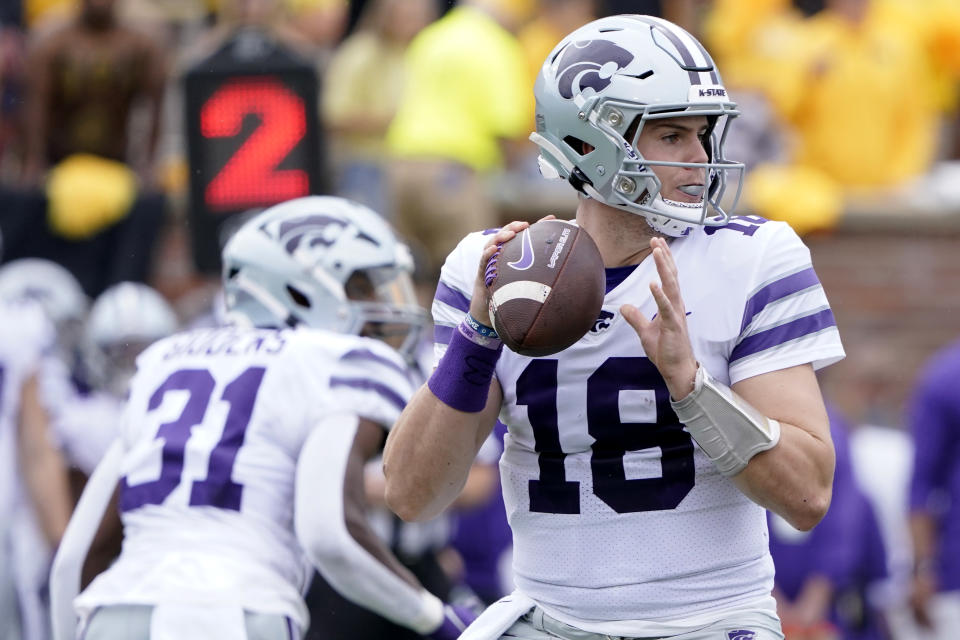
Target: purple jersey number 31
point(218, 489)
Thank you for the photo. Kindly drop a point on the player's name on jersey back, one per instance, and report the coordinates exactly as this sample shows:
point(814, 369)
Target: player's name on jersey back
point(227, 342)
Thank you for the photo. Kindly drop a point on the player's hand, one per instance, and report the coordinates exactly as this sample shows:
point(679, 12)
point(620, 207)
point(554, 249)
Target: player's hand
point(480, 302)
point(665, 337)
point(456, 618)
point(923, 589)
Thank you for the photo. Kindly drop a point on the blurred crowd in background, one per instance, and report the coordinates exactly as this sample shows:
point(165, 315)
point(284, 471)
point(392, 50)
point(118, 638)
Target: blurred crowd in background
point(849, 108)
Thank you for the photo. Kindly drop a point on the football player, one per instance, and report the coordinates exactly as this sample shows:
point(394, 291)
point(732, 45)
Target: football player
point(122, 321)
point(43, 308)
point(34, 492)
point(242, 448)
point(934, 597)
point(639, 461)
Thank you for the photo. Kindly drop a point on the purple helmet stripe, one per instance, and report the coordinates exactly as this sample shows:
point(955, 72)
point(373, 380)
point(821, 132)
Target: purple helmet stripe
point(366, 384)
point(786, 332)
point(777, 290)
point(685, 55)
point(694, 55)
point(708, 61)
point(451, 297)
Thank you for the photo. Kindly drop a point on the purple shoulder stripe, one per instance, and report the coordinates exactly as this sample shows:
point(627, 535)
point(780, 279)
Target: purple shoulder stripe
point(442, 334)
point(777, 290)
point(450, 296)
point(365, 355)
point(783, 333)
point(366, 384)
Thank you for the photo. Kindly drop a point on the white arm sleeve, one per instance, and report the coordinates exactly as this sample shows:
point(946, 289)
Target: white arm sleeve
point(68, 563)
point(322, 530)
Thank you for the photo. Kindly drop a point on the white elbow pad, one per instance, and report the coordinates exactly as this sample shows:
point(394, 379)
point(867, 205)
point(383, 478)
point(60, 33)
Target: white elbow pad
point(727, 428)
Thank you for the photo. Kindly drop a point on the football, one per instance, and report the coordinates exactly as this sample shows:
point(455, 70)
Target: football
point(546, 287)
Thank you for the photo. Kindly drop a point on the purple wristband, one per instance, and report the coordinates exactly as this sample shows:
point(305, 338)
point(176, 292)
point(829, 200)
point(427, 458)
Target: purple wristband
point(462, 379)
point(490, 341)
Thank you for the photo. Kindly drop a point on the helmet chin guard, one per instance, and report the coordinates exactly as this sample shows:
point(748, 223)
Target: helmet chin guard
point(601, 84)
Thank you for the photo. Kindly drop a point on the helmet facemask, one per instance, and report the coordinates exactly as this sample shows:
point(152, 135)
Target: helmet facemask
point(384, 306)
point(637, 189)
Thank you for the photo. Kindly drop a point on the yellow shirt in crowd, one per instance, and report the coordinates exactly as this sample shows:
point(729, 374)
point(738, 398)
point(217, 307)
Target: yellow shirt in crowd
point(365, 79)
point(467, 87)
point(864, 100)
point(538, 38)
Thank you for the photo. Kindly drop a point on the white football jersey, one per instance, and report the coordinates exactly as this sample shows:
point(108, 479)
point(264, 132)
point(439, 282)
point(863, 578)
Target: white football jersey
point(621, 524)
point(212, 433)
point(25, 338)
point(85, 426)
point(26, 345)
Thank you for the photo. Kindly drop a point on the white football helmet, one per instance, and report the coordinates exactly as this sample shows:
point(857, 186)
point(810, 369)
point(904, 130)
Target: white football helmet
point(327, 263)
point(123, 321)
point(56, 291)
point(600, 85)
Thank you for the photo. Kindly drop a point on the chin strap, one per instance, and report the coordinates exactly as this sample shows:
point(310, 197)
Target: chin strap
point(666, 221)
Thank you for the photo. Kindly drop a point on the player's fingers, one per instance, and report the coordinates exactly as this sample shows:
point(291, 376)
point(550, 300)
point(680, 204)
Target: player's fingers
point(660, 243)
point(506, 232)
point(495, 241)
point(487, 265)
point(634, 317)
point(667, 271)
point(549, 216)
point(488, 252)
point(509, 230)
point(665, 308)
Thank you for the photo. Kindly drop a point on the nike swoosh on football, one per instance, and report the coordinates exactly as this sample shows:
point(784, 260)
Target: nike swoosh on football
point(525, 261)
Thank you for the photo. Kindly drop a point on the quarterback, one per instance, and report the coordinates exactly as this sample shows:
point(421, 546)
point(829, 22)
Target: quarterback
point(639, 462)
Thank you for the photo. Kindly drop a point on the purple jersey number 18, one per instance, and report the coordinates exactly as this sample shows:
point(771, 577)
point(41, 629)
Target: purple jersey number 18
point(218, 489)
point(552, 493)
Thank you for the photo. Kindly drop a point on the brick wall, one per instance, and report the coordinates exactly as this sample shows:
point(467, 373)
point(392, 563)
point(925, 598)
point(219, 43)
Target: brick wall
point(894, 285)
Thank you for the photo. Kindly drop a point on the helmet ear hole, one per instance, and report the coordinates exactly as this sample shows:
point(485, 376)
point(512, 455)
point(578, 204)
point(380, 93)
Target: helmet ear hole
point(298, 297)
point(579, 146)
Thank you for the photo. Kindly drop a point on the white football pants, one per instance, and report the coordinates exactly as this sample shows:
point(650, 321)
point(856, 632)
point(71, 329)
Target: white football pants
point(138, 622)
point(537, 625)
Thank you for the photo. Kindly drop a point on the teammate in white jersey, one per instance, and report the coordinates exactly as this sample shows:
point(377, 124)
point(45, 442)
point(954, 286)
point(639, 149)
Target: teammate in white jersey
point(34, 491)
point(42, 310)
point(242, 448)
point(638, 461)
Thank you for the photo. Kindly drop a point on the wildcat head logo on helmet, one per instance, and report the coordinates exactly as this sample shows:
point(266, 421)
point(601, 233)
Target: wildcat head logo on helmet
point(590, 64)
point(316, 229)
